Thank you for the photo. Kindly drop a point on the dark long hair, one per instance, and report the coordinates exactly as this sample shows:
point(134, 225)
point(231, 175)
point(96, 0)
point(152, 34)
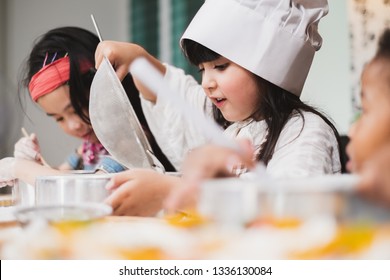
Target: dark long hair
point(384, 45)
point(80, 45)
point(277, 105)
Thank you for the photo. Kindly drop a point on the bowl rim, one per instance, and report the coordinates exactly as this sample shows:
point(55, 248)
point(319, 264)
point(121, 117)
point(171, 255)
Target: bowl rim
point(101, 208)
point(332, 183)
point(76, 176)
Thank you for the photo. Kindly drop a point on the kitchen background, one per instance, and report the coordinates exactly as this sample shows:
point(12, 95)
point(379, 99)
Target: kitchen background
point(350, 34)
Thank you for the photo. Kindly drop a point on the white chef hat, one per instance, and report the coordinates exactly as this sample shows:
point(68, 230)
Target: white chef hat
point(274, 39)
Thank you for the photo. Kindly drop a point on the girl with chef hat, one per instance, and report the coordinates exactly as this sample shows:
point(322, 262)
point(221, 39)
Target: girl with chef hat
point(254, 56)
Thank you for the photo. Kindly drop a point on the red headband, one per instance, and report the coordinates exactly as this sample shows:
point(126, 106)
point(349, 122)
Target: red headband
point(53, 76)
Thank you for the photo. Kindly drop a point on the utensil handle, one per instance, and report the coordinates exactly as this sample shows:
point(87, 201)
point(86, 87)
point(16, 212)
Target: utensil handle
point(96, 28)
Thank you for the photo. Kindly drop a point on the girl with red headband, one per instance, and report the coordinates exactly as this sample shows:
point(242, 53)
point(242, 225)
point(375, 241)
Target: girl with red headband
point(58, 75)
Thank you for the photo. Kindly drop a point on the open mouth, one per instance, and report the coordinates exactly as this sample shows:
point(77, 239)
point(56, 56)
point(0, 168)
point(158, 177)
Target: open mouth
point(219, 101)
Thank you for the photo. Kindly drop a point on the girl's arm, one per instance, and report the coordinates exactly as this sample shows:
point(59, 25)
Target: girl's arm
point(121, 55)
point(27, 170)
point(73, 160)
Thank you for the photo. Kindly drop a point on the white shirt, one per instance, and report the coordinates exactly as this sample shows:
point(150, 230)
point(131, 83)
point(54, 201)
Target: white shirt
point(311, 150)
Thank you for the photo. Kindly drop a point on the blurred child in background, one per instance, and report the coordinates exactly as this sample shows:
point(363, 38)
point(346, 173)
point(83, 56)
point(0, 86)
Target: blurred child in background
point(368, 149)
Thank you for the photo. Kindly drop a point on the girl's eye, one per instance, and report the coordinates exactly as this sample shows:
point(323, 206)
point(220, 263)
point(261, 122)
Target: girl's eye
point(200, 70)
point(221, 66)
point(358, 108)
point(59, 119)
point(70, 110)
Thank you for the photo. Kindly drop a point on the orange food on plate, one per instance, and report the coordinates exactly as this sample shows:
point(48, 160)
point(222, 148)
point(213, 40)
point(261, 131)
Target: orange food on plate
point(349, 241)
point(277, 222)
point(150, 253)
point(68, 226)
point(186, 219)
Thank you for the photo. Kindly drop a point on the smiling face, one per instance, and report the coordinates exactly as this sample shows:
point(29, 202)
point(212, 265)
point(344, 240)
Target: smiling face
point(372, 130)
point(57, 105)
point(231, 88)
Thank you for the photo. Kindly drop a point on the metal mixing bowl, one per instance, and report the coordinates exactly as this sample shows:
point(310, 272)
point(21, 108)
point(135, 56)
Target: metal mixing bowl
point(9, 194)
point(72, 188)
point(236, 201)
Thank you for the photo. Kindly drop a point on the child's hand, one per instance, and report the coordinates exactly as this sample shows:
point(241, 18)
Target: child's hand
point(139, 192)
point(120, 55)
point(28, 148)
point(209, 161)
point(212, 161)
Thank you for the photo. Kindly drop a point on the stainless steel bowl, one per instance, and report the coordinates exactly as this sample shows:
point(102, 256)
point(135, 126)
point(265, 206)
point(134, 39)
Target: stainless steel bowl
point(71, 188)
point(229, 202)
point(9, 194)
point(238, 201)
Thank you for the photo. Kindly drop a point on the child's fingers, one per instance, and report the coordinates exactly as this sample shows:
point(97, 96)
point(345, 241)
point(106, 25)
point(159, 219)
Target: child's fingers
point(119, 179)
point(33, 137)
point(25, 148)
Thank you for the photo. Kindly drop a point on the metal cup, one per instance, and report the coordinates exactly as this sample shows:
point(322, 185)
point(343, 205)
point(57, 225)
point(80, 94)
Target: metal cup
point(9, 195)
point(71, 188)
point(229, 202)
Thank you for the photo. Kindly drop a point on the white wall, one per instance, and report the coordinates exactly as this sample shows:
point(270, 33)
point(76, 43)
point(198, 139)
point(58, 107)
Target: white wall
point(328, 84)
point(29, 19)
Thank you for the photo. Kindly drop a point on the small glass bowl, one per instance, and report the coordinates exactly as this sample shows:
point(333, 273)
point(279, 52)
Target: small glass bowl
point(84, 212)
point(9, 194)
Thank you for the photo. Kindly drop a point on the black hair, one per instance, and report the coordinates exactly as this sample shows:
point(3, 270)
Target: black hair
point(384, 45)
point(383, 50)
point(80, 45)
point(277, 105)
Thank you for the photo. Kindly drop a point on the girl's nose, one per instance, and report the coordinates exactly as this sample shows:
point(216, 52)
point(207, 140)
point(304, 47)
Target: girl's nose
point(208, 82)
point(74, 124)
